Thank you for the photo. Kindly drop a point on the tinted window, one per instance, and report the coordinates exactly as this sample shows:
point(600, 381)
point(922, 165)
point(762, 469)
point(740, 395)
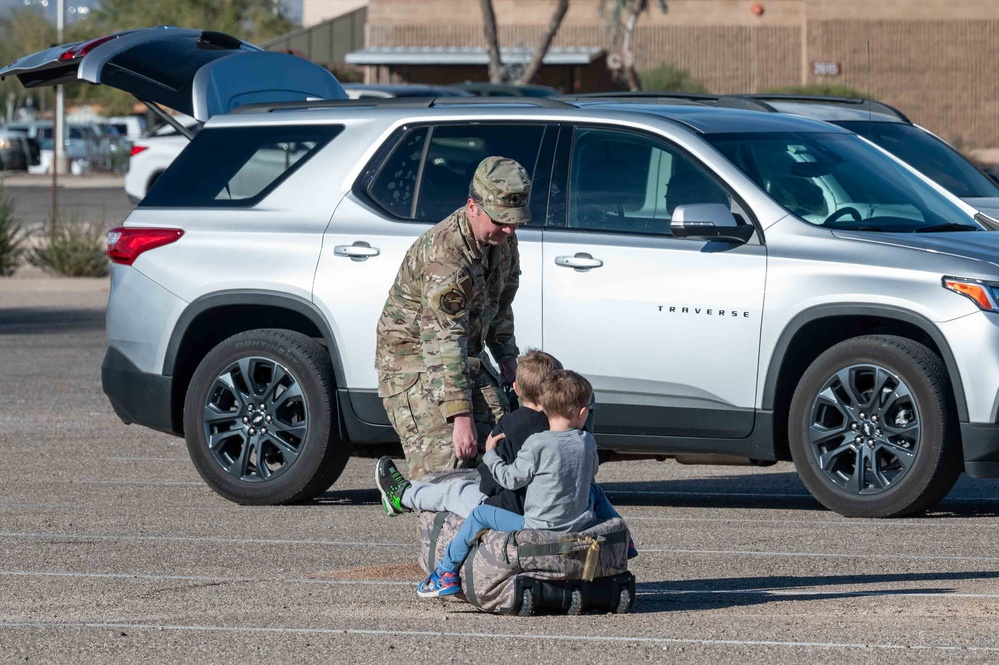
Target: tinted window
point(839, 181)
point(394, 187)
point(236, 166)
point(928, 155)
point(625, 182)
point(454, 153)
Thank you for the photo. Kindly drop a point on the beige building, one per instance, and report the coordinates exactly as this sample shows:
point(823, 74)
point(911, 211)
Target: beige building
point(934, 59)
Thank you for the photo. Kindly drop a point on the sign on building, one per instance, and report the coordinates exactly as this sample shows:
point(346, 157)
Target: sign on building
point(823, 68)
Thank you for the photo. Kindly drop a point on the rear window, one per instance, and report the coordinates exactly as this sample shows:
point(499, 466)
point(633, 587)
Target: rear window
point(236, 166)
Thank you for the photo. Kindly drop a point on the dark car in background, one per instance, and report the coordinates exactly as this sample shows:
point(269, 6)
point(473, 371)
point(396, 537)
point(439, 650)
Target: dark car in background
point(16, 151)
point(506, 90)
point(377, 91)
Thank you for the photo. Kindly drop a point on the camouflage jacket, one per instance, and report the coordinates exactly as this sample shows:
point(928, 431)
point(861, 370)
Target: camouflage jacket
point(450, 301)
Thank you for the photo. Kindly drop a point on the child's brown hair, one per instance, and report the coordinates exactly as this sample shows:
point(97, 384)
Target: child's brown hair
point(532, 368)
point(564, 393)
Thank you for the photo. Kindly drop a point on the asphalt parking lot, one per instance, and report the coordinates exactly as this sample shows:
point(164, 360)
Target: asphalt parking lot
point(114, 550)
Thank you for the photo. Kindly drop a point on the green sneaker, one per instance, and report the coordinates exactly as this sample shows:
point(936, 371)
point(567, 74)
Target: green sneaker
point(391, 483)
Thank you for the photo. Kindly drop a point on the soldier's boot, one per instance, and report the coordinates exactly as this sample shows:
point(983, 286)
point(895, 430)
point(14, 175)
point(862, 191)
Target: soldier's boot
point(391, 484)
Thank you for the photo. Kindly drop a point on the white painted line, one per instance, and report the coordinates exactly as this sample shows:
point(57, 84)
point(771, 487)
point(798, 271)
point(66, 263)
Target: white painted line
point(497, 636)
point(830, 591)
point(410, 546)
point(195, 578)
point(140, 483)
point(152, 459)
point(204, 539)
point(770, 495)
point(642, 592)
point(880, 524)
point(826, 555)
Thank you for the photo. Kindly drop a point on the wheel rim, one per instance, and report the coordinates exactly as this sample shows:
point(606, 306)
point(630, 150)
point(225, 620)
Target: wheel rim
point(864, 429)
point(255, 419)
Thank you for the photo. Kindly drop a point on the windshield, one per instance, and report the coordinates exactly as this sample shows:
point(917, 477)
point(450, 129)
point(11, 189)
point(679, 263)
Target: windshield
point(928, 155)
point(839, 181)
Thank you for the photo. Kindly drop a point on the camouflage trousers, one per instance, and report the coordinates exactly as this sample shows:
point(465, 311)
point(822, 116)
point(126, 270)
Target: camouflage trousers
point(427, 438)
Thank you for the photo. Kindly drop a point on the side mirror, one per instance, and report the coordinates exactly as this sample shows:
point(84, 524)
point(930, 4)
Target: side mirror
point(708, 221)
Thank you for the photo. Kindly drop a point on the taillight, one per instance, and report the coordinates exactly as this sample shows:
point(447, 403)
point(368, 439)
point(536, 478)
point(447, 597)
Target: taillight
point(126, 244)
point(84, 49)
point(136, 149)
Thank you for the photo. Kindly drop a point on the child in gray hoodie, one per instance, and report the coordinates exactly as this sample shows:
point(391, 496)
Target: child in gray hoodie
point(557, 467)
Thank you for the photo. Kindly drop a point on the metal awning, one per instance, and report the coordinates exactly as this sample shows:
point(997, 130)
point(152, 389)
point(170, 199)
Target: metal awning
point(446, 55)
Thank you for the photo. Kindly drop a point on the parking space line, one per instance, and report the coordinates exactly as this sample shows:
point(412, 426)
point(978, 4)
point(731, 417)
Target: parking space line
point(769, 495)
point(203, 539)
point(880, 524)
point(497, 636)
point(346, 543)
point(822, 555)
point(196, 578)
point(817, 590)
point(151, 459)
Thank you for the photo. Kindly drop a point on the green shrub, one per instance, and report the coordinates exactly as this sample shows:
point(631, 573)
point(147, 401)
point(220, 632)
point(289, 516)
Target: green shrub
point(820, 89)
point(12, 236)
point(668, 78)
point(73, 249)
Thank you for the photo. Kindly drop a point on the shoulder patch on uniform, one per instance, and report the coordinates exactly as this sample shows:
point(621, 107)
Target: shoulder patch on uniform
point(454, 300)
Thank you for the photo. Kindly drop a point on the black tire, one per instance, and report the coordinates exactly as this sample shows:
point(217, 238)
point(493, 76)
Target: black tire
point(575, 603)
point(624, 601)
point(906, 467)
point(526, 604)
point(300, 457)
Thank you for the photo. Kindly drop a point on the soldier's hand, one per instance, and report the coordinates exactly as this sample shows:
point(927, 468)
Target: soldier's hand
point(493, 439)
point(508, 371)
point(465, 438)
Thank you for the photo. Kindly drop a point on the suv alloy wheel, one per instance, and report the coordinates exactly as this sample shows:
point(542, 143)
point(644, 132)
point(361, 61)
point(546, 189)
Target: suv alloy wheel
point(871, 428)
point(259, 419)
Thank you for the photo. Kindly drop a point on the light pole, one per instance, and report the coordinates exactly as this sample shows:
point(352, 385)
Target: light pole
point(60, 163)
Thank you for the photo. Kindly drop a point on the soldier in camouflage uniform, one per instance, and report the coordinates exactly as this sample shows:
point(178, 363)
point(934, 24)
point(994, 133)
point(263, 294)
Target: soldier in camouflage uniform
point(451, 299)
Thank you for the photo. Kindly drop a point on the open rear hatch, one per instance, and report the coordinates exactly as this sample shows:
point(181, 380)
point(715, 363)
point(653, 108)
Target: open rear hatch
point(198, 73)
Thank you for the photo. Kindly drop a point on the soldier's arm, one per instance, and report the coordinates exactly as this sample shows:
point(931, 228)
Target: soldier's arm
point(500, 337)
point(444, 339)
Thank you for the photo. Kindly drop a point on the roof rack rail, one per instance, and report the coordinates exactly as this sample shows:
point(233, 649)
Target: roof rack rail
point(400, 102)
point(641, 96)
point(760, 103)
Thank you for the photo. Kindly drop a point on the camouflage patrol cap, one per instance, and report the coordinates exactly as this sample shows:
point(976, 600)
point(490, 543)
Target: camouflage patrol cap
point(501, 187)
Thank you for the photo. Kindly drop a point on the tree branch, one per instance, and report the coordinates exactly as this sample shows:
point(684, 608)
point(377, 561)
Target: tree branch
point(546, 41)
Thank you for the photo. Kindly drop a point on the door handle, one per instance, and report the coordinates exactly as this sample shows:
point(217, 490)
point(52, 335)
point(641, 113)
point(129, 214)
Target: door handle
point(359, 251)
point(581, 262)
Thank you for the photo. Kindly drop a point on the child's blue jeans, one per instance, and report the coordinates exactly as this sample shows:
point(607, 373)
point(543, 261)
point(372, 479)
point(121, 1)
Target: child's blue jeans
point(485, 517)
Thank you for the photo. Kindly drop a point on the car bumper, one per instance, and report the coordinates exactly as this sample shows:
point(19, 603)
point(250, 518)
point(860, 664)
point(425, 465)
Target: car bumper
point(137, 397)
point(981, 449)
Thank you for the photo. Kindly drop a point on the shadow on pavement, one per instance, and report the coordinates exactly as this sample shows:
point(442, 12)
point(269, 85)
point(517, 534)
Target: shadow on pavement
point(687, 595)
point(46, 321)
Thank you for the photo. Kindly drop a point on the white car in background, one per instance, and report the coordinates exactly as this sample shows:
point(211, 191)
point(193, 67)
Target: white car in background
point(152, 154)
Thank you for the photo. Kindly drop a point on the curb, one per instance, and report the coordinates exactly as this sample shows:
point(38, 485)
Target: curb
point(102, 181)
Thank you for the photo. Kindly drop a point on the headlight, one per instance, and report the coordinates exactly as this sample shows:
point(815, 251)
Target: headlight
point(984, 294)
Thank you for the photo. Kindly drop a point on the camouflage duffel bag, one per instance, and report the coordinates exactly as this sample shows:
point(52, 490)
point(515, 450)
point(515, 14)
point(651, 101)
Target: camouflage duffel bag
point(522, 572)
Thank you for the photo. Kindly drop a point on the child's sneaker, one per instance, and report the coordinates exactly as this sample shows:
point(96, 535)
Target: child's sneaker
point(440, 583)
point(632, 550)
point(391, 483)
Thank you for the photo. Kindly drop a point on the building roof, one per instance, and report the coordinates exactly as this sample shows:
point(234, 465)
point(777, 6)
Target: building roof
point(465, 55)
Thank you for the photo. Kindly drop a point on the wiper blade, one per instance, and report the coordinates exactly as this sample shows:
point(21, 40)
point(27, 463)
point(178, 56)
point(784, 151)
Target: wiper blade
point(858, 228)
point(945, 227)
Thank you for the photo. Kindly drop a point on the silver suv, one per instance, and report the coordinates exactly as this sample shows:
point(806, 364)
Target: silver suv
point(738, 286)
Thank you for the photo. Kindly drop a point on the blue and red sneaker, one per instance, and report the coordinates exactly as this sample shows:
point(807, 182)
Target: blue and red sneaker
point(440, 583)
